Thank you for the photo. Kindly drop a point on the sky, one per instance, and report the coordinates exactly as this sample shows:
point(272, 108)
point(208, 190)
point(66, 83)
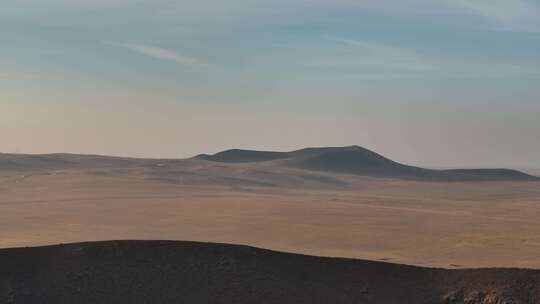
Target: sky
point(440, 83)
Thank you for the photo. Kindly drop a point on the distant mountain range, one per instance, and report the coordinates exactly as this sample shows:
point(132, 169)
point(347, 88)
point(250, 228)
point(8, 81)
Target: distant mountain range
point(360, 161)
point(352, 160)
point(192, 273)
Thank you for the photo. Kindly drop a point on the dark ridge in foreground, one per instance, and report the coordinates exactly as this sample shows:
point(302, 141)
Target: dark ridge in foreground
point(193, 273)
point(360, 161)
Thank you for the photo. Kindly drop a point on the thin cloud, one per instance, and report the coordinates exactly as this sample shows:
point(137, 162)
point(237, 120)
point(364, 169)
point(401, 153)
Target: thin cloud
point(501, 15)
point(391, 62)
point(501, 10)
point(163, 54)
point(383, 56)
point(511, 15)
point(372, 47)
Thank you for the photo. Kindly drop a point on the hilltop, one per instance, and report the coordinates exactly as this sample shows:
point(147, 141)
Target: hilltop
point(360, 161)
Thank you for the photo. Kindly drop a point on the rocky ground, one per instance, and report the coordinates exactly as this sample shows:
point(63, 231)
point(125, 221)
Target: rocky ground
point(188, 272)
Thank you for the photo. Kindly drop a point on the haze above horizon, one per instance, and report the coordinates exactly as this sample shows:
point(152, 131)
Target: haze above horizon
point(430, 83)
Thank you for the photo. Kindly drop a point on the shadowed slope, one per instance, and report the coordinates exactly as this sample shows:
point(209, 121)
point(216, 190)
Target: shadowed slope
point(243, 156)
point(187, 272)
point(360, 161)
point(351, 160)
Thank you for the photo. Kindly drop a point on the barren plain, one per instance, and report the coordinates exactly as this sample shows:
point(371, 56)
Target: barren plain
point(444, 224)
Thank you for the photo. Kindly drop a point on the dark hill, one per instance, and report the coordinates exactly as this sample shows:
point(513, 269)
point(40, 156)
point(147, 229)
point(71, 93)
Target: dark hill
point(193, 273)
point(348, 160)
point(360, 161)
point(243, 156)
point(21, 162)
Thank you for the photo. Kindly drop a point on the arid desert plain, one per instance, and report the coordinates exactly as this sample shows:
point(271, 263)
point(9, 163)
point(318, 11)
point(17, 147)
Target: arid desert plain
point(56, 199)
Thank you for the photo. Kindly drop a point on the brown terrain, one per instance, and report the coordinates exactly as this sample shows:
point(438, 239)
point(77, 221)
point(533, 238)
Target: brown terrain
point(51, 199)
point(337, 202)
point(186, 272)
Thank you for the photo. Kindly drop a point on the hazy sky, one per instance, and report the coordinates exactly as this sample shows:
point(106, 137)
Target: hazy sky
point(429, 82)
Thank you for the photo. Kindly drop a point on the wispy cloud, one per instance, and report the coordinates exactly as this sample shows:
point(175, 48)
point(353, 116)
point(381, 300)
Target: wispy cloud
point(375, 60)
point(501, 10)
point(373, 48)
point(513, 15)
point(374, 56)
point(163, 54)
point(501, 15)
